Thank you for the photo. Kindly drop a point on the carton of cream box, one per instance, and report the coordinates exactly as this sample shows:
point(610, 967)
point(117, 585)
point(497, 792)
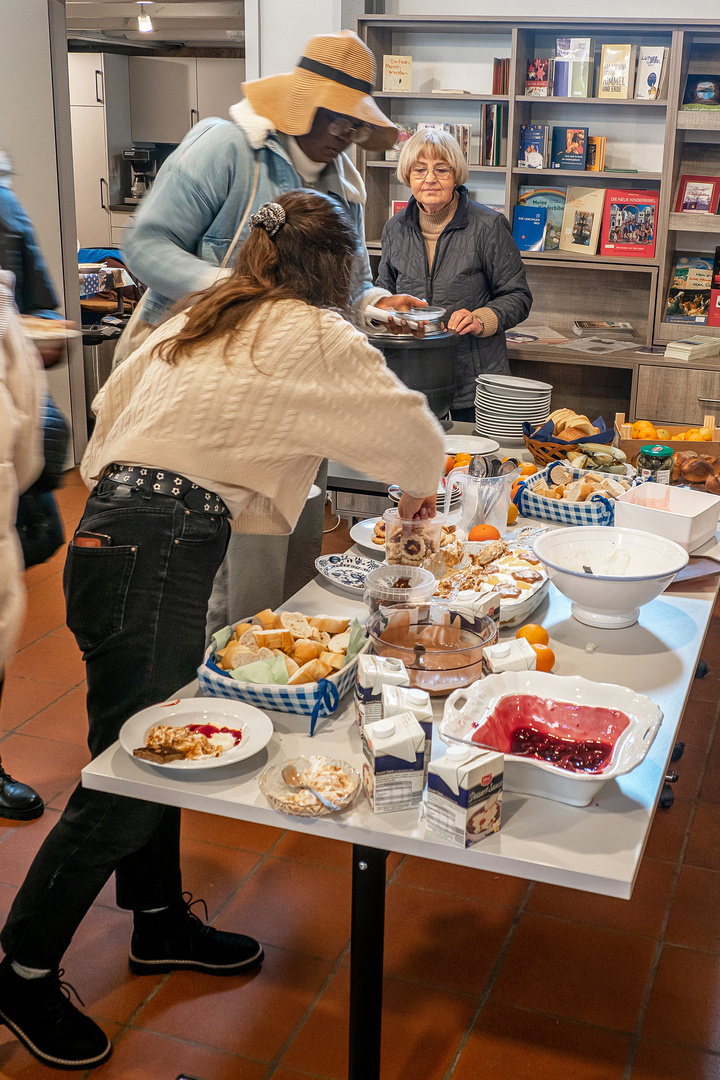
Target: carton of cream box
point(374, 672)
point(394, 766)
point(400, 699)
point(464, 795)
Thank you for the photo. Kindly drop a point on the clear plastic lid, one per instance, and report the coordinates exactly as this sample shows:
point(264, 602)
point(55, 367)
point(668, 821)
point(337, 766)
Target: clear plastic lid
point(381, 585)
point(418, 314)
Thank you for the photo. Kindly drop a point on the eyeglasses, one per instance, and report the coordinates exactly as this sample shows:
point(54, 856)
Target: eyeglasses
point(341, 127)
point(440, 172)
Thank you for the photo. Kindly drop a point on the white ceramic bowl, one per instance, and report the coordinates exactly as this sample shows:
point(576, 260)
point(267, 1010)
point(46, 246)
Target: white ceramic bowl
point(467, 711)
point(688, 517)
point(607, 572)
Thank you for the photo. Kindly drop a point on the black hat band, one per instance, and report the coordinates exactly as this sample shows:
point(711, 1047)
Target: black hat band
point(335, 75)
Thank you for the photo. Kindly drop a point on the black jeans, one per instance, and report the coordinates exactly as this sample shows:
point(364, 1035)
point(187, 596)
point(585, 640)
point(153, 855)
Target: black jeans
point(137, 609)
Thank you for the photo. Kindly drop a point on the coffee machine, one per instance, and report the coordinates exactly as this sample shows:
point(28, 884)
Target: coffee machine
point(142, 168)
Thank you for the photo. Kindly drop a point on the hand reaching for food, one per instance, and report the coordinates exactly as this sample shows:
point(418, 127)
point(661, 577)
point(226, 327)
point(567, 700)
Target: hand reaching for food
point(402, 302)
point(412, 507)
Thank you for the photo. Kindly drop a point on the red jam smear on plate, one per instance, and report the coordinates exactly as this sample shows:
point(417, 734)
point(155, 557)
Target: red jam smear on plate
point(210, 729)
point(579, 738)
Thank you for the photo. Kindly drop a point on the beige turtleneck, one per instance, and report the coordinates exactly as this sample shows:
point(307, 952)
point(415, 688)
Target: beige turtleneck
point(431, 225)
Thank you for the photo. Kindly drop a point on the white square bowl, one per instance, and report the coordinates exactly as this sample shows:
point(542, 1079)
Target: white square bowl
point(688, 517)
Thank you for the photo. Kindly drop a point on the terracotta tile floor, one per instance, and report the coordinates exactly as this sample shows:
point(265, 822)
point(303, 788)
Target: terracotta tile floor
point(485, 975)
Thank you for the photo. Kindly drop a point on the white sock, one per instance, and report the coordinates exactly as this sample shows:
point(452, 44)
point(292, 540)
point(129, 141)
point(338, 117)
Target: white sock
point(153, 910)
point(28, 972)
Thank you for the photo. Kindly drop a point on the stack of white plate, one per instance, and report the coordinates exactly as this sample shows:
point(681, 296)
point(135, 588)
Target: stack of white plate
point(503, 403)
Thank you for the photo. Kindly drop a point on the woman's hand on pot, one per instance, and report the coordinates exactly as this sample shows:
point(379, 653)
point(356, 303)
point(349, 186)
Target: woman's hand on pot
point(402, 302)
point(464, 322)
point(412, 507)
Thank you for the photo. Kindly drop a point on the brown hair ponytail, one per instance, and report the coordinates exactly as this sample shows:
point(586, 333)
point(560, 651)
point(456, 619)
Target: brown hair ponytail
point(308, 258)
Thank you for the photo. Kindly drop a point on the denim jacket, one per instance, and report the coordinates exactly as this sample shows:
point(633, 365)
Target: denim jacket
point(186, 222)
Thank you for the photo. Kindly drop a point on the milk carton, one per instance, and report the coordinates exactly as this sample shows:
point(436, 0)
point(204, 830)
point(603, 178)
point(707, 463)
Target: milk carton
point(399, 699)
point(464, 795)
point(472, 603)
point(514, 655)
point(372, 673)
point(394, 765)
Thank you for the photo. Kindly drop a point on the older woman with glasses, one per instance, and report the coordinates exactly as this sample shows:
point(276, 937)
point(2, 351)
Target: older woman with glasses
point(458, 254)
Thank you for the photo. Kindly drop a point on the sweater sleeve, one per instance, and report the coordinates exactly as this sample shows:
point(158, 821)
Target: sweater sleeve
point(505, 272)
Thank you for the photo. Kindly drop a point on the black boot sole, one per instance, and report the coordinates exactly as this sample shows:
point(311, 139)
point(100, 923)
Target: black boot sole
point(22, 815)
point(164, 967)
point(48, 1059)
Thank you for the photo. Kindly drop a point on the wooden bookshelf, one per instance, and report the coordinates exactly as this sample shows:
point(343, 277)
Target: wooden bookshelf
point(694, 223)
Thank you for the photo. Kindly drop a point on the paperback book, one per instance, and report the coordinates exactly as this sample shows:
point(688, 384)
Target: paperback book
point(493, 134)
point(529, 225)
point(688, 299)
point(582, 219)
point(397, 73)
point(533, 146)
point(396, 205)
point(714, 310)
point(606, 327)
point(404, 133)
point(617, 72)
point(652, 65)
point(501, 75)
point(538, 77)
point(553, 201)
point(595, 153)
point(702, 93)
point(569, 148)
point(573, 67)
point(629, 223)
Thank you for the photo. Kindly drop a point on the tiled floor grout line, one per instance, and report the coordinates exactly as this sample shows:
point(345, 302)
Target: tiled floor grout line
point(637, 1034)
point(489, 983)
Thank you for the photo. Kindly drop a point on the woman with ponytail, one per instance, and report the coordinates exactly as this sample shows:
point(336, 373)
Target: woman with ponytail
point(217, 423)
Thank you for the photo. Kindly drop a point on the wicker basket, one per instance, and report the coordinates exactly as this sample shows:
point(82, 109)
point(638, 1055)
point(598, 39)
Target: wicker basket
point(545, 453)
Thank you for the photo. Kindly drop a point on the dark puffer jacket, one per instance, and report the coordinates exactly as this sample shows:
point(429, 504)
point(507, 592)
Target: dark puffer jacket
point(476, 264)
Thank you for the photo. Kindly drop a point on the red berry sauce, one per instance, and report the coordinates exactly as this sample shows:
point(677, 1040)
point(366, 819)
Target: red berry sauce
point(209, 729)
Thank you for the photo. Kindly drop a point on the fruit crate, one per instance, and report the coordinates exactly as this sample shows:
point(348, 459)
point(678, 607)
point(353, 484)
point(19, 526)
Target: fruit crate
point(632, 447)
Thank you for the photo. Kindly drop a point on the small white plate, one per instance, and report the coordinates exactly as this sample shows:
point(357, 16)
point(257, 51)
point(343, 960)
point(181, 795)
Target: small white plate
point(346, 572)
point(362, 533)
point(256, 728)
point(470, 444)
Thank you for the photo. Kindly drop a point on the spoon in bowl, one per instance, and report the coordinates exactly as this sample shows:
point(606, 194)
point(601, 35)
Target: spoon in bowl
point(292, 778)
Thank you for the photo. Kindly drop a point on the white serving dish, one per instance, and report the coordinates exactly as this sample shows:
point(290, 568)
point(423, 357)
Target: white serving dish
point(466, 710)
point(628, 568)
point(470, 444)
point(688, 517)
point(346, 572)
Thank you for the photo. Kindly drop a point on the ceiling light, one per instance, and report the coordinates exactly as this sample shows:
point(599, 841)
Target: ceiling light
point(144, 23)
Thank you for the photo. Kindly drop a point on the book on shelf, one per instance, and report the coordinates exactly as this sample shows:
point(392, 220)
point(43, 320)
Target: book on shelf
point(582, 219)
point(569, 148)
point(501, 75)
point(538, 77)
point(448, 90)
point(630, 223)
point(529, 225)
point(693, 348)
point(493, 134)
point(617, 72)
point(550, 199)
point(533, 146)
point(698, 194)
point(573, 67)
point(397, 72)
point(688, 299)
point(702, 93)
point(595, 153)
point(404, 133)
point(607, 327)
point(714, 309)
point(650, 350)
point(396, 205)
point(651, 72)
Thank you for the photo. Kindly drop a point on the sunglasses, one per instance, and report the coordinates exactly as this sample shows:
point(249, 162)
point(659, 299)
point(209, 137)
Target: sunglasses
point(342, 127)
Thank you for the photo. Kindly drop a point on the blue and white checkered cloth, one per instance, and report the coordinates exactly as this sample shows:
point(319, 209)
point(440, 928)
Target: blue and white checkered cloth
point(598, 509)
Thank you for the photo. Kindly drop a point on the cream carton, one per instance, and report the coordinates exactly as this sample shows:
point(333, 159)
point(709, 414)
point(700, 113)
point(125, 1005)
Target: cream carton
point(464, 795)
point(514, 655)
point(374, 672)
point(394, 765)
point(399, 699)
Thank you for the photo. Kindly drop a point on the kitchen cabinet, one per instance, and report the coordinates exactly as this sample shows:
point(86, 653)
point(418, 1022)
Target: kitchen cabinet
point(168, 95)
point(90, 169)
point(85, 73)
point(677, 395)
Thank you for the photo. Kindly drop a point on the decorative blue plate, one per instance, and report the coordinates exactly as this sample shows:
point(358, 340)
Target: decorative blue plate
point(346, 572)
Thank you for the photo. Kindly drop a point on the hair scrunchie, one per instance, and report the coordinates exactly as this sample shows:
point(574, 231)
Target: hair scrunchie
point(270, 217)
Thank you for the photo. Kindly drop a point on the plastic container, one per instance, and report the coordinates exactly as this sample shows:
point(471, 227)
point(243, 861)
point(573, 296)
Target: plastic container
point(441, 649)
point(690, 518)
point(301, 803)
point(382, 593)
point(484, 500)
point(411, 541)
point(655, 463)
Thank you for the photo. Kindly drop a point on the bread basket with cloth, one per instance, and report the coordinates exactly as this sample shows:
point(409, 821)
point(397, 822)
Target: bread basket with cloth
point(553, 439)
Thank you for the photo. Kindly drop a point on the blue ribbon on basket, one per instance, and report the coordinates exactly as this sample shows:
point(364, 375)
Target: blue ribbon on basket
point(545, 434)
point(328, 698)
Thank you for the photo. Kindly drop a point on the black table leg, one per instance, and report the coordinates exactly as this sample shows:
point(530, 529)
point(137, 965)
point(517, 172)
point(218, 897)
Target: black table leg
point(367, 938)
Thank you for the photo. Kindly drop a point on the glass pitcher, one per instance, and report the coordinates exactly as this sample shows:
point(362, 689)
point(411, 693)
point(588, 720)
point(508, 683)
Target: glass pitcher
point(484, 500)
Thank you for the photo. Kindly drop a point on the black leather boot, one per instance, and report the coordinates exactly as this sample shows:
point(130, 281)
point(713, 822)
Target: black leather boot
point(18, 801)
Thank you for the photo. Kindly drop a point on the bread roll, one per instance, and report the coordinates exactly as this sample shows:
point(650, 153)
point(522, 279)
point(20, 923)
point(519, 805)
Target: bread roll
point(310, 672)
point(335, 660)
point(290, 664)
point(304, 650)
point(696, 471)
point(296, 623)
point(275, 639)
point(339, 642)
point(237, 657)
point(265, 619)
point(330, 625)
point(248, 639)
point(240, 629)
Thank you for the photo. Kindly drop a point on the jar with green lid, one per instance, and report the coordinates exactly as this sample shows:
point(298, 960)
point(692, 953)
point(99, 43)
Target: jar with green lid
point(655, 463)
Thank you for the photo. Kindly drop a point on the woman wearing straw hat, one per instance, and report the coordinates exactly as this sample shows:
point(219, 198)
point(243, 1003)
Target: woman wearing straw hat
point(289, 131)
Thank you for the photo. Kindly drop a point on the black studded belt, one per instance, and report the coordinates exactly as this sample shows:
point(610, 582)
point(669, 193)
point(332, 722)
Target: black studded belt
point(162, 482)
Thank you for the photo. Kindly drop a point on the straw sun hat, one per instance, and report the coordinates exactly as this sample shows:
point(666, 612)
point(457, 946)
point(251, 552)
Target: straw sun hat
point(336, 72)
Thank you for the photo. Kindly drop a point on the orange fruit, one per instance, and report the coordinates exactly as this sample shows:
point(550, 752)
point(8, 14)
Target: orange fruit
point(536, 635)
point(678, 438)
point(545, 658)
point(462, 459)
point(483, 532)
point(449, 464)
point(512, 514)
point(514, 488)
point(528, 469)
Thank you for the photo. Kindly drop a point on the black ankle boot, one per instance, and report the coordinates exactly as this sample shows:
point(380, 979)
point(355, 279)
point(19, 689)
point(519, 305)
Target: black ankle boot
point(40, 1014)
point(18, 801)
point(175, 939)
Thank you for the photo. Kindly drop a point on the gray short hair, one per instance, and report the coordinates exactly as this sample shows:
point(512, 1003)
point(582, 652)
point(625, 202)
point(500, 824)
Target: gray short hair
point(438, 144)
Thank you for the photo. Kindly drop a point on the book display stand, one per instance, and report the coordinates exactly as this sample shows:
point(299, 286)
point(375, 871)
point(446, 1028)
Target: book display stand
point(650, 144)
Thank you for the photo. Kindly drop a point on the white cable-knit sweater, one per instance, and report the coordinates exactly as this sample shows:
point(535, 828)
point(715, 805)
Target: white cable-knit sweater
point(297, 384)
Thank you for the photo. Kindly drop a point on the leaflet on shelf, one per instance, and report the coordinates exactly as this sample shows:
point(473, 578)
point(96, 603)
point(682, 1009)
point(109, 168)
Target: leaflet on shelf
point(714, 311)
point(651, 69)
point(397, 73)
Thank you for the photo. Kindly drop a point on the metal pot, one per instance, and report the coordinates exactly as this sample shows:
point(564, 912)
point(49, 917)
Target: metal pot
point(427, 364)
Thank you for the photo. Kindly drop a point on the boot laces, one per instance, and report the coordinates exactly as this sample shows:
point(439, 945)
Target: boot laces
point(61, 1002)
point(190, 904)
